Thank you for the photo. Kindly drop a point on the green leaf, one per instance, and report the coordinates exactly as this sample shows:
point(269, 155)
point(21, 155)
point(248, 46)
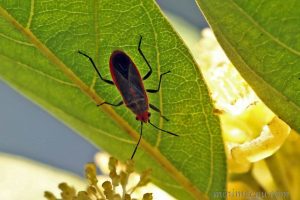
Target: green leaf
point(262, 39)
point(40, 59)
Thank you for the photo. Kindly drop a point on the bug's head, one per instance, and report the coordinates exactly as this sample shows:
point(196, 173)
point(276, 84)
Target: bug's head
point(143, 117)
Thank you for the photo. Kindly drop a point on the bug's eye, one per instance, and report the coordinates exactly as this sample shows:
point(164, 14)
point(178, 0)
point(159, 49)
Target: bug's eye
point(149, 114)
point(136, 118)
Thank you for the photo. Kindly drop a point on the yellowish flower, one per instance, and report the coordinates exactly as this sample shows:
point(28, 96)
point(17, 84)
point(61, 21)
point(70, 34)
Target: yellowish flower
point(121, 183)
point(135, 181)
point(251, 131)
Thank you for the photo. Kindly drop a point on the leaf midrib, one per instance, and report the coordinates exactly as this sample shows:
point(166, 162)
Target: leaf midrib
point(162, 160)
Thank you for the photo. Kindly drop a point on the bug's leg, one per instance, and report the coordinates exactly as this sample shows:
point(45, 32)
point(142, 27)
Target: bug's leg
point(142, 54)
point(91, 60)
point(157, 110)
point(156, 90)
point(111, 104)
point(136, 146)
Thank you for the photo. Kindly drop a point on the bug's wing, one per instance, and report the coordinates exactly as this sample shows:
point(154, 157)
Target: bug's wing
point(140, 101)
point(124, 86)
point(131, 87)
point(135, 82)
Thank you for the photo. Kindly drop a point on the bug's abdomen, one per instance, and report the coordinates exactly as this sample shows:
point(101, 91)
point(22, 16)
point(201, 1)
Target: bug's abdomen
point(138, 106)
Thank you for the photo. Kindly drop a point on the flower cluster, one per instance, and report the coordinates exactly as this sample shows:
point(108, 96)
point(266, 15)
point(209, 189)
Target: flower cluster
point(109, 189)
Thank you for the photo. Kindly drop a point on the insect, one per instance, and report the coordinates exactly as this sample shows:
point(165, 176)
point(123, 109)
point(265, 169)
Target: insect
point(128, 80)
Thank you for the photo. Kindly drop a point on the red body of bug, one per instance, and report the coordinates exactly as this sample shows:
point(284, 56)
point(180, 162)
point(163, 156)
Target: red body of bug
point(128, 80)
point(129, 83)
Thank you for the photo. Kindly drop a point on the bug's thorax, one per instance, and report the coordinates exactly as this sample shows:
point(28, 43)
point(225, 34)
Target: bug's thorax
point(143, 117)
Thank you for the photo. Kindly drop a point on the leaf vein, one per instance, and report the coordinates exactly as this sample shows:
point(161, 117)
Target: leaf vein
point(15, 40)
point(38, 71)
point(30, 14)
point(276, 40)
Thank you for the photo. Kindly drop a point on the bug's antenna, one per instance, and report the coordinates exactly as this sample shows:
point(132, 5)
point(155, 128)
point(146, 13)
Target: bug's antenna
point(141, 133)
point(162, 129)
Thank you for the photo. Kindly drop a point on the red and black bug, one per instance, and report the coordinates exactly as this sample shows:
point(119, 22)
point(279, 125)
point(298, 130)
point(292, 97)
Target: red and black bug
point(128, 80)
